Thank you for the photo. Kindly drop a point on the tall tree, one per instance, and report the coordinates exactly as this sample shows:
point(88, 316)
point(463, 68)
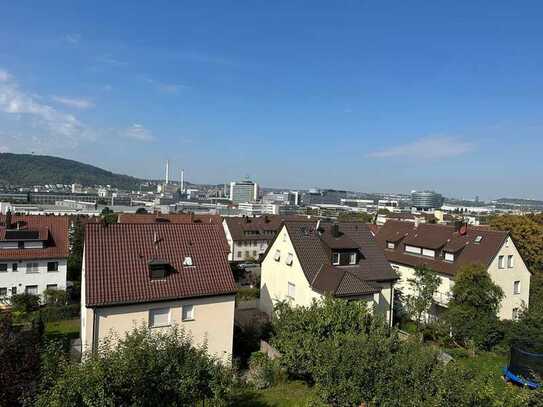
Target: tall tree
point(75, 259)
point(422, 288)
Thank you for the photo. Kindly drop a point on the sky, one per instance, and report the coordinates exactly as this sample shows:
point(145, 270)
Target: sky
point(373, 96)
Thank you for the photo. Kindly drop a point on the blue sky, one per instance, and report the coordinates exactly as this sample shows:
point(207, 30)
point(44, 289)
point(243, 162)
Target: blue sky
point(370, 96)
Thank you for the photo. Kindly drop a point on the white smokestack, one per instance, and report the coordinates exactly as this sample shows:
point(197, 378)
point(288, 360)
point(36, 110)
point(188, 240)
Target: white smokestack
point(167, 171)
point(182, 180)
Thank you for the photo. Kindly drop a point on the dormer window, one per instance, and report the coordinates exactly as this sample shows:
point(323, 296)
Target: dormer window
point(449, 256)
point(352, 258)
point(412, 249)
point(277, 255)
point(335, 259)
point(428, 253)
point(289, 260)
point(158, 269)
point(391, 245)
point(187, 261)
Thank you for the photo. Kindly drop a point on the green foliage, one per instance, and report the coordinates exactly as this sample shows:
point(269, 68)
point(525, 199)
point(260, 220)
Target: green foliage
point(75, 258)
point(141, 211)
point(355, 217)
point(145, 369)
point(55, 297)
point(298, 331)
point(247, 294)
point(422, 288)
point(527, 331)
point(109, 216)
point(472, 312)
point(24, 303)
point(30, 169)
point(263, 372)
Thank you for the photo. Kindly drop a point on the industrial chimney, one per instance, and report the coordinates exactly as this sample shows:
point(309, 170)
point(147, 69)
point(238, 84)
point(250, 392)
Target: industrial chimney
point(182, 180)
point(167, 171)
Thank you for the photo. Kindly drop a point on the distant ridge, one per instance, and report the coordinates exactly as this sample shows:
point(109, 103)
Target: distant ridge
point(29, 169)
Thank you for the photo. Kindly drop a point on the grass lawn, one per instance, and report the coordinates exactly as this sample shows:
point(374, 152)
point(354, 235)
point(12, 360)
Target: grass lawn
point(291, 394)
point(63, 329)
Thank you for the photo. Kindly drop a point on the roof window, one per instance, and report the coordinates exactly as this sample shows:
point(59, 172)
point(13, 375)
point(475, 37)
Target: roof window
point(478, 239)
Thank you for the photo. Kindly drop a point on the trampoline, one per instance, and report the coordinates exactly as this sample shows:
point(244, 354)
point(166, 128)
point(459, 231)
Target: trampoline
point(525, 368)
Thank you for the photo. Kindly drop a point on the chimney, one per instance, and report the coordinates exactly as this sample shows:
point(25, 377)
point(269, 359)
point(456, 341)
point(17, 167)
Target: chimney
point(182, 180)
point(167, 171)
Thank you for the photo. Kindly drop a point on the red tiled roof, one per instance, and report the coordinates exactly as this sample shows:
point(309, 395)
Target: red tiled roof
point(258, 227)
point(441, 238)
point(168, 218)
point(53, 230)
point(117, 257)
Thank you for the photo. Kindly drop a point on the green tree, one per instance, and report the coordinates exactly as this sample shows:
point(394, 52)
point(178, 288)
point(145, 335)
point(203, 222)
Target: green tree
point(144, 369)
point(75, 258)
point(527, 331)
point(472, 311)
point(355, 217)
point(141, 211)
point(422, 288)
point(299, 330)
point(109, 216)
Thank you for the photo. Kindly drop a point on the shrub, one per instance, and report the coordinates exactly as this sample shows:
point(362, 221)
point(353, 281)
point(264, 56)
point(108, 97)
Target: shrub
point(261, 371)
point(247, 294)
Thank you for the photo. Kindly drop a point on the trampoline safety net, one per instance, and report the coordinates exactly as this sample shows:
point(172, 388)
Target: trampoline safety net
point(526, 365)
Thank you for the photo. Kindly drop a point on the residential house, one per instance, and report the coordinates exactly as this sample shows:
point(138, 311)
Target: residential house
point(309, 259)
point(158, 275)
point(33, 253)
point(168, 218)
point(445, 249)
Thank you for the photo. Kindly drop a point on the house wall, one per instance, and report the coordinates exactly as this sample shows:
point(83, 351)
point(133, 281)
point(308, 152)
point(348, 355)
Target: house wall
point(382, 300)
point(275, 276)
point(506, 277)
point(213, 322)
point(21, 279)
point(229, 240)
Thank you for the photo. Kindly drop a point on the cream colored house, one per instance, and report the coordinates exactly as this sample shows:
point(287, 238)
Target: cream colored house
point(308, 260)
point(444, 249)
point(158, 275)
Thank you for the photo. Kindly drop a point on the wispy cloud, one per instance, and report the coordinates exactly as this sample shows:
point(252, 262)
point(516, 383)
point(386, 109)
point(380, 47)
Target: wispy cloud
point(78, 103)
point(137, 132)
point(166, 87)
point(51, 122)
point(433, 147)
point(72, 38)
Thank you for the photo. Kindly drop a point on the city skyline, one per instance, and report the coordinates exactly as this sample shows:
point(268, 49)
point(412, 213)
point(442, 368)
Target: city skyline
point(363, 97)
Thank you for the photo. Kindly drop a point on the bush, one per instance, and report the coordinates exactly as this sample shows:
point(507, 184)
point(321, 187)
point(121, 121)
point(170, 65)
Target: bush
point(51, 313)
point(247, 294)
point(25, 303)
point(263, 372)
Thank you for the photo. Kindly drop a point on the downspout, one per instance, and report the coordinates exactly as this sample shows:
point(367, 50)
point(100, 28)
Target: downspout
point(94, 336)
point(391, 302)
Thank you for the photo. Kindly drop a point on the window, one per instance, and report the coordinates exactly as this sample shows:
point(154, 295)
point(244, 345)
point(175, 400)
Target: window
point(239, 255)
point(291, 290)
point(20, 245)
point(289, 259)
point(187, 313)
point(14, 266)
point(246, 254)
point(52, 266)
point(515, 314)
point(500, 262)
point(254, 254)
point(335, 259)
point(277, 255)
point(390, 245)
point(510, 262)
point(159, 317)
point(32, 268)
point(52, 286)
point(449, 256)
point(478, 239)
point(13, 290)
point(3, 291)
point(516, 287)
point(428, 253)
point(31, 289)
point(352, 258)
point(412, 249)
point(3, 267)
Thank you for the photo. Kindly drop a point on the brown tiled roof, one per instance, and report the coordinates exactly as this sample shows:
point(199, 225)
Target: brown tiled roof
point(441, 238)
point(314, 250)
point(117, 257)
point(168, 218)
point(53, 230)
point(253, 228)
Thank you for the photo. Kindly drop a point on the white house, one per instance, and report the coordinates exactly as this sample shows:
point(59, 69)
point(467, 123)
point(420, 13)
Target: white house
point(445, 249)
point(33, 253)
point(309, 259)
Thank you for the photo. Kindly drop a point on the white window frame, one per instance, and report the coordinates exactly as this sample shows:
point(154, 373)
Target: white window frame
point(501, 262)
point(334, 261)
point(32, 268)
point(291, 290)
point(510, 261)
point(352, 258)
point(412, 249)
point(516, 287)
point(290, 259)
point(391, 245)
point(157, 310)
point(429, 253)
point(27, 291)
point(187, 312)
point(449, 256)
point(277, 255)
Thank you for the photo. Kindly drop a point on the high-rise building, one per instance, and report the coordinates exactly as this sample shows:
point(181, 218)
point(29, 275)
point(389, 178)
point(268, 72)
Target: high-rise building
point(425, 200)
point(243, 191)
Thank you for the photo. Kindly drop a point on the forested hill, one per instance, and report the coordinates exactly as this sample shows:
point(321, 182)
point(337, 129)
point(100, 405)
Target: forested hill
point(27, 170)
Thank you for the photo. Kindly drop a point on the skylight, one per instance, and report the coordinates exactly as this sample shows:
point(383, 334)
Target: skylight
point(478, 239)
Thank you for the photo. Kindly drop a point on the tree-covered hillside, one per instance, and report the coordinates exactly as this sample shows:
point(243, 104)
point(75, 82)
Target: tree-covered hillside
point(27, 169)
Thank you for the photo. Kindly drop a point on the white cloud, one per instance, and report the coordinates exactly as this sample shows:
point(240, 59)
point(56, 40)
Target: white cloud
point(74, 102)
point(73, 38)
point(51, 122)
point(137, 132)
point(433, 147)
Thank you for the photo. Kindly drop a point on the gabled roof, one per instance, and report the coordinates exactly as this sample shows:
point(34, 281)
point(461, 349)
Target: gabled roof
point(314, 248)
point(442, 238)
point(168, 218)
point(255, 228)
point(52, 230)
point(117, 258)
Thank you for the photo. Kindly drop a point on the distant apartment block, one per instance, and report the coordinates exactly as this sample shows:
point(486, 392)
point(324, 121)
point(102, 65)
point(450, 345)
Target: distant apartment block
point(243, 191)
point(445, 249)
point(426, 200)
point(33, 254)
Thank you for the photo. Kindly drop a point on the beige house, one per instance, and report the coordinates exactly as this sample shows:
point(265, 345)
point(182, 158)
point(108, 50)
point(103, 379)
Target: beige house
point(445, 249)
point(308, 260)
point(158, 275)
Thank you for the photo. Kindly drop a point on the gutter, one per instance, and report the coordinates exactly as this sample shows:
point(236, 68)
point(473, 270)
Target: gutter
point(94, 333)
